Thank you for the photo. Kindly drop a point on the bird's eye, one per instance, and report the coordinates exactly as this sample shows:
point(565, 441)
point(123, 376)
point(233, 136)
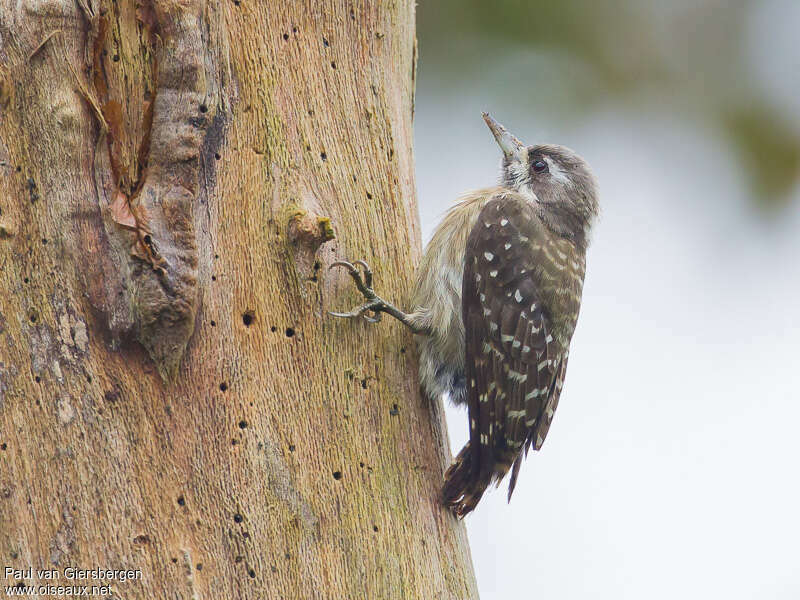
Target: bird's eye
point(540, 166)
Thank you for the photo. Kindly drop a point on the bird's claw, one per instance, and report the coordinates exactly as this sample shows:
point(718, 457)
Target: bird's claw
point(364, 285)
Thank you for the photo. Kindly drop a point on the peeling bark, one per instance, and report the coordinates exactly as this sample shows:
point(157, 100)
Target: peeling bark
point(172, 396)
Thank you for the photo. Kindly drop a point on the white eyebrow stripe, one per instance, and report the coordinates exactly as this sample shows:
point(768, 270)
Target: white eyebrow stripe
point(556, 172)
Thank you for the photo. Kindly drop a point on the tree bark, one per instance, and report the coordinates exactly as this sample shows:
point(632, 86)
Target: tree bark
point(175, 179)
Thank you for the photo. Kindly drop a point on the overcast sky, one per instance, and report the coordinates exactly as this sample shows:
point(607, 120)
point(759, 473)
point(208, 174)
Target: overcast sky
point(671, 468)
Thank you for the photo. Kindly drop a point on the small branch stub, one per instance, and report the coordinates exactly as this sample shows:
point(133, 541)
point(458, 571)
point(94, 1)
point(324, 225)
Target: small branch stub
point(307, 232)
point(310, 231)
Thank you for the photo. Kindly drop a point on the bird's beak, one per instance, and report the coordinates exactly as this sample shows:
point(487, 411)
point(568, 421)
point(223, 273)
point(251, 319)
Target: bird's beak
point(510, 145)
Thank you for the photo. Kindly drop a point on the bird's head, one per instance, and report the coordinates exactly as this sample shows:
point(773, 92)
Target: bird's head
point(552, 176)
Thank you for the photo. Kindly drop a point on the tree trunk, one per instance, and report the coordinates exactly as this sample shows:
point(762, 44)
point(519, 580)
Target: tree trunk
point(175, 179)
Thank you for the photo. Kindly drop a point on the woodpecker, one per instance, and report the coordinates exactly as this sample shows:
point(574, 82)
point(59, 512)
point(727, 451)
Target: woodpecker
point(496, 301)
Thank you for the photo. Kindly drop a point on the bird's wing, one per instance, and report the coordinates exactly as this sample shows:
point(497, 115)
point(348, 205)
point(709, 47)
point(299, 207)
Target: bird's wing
point(512, 359)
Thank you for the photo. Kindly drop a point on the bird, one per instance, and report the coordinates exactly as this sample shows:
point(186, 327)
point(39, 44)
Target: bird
point(496, 300)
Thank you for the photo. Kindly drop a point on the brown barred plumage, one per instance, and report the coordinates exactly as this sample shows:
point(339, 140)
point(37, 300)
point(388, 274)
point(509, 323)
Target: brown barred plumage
point(497, 298)
point(517, 274)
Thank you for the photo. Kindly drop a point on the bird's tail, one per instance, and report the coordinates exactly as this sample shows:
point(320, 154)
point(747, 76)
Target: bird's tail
point(464, 483)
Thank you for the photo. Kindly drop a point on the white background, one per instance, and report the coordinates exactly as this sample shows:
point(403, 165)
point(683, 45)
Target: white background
point(671, 469)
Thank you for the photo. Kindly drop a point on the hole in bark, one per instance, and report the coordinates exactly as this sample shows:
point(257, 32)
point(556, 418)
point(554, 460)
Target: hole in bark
point(361, 464)
point(19, 169)
point(369, 196)
point(325, 43)
point(247, 318)
point(37, 379)
point(3, 446)
point(246, 535)
point(213, 323)
point(289, 332)
point(273, 329)
point(174, 560)
point(33, 317)
point(394, 411)
point(323, 156)
point(364, 383)
point(285, 36)
point(111, 396)
point(237, 518)
point(337, 475)
point(236, 2)
point(26, 280)
point(203, 108)
point(213, 278)
point(317, 266)
point(375, 528)
point(181, 501)
point(252, 574)
point(217, 157)
point(291, 447)
point(242, 424)
point(199, 566)
point(44, 241)
point(238, 559)
point(310, 112)
point(223, 387)
point(402, 350)
point(115, 58)
point(234, 442)
point(333, 65)
point(294, 29)
point(147, 239)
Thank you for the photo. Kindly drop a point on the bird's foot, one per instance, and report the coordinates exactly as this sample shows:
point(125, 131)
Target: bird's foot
point(373, 303)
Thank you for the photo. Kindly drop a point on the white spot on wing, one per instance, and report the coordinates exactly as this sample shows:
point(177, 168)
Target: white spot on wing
point(533, 394)
point(489, 256)
point(521, 377)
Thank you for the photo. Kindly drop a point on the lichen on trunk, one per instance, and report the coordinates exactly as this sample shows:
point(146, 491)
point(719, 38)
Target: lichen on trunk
point(172, 396)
